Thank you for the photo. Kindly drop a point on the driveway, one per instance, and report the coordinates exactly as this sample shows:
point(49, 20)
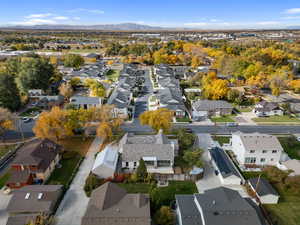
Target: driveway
point(210, 180)
point(74, 203)
point(4, 200)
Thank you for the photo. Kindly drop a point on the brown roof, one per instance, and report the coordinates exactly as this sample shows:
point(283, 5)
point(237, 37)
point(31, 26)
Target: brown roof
point(21, 219)
point(111, 205)
point(35, 199)
point(39, 153)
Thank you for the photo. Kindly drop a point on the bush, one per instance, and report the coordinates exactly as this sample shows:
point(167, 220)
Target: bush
point(69, 155)
point(91, 183)
point(164, 216)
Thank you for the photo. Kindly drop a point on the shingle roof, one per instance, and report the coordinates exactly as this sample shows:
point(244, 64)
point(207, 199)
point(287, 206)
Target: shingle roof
point(111, 205)
point(21, 219)
point(208, 105)
point(85, 100)
point(262, 186)
point(190, 214)
point(40, 199)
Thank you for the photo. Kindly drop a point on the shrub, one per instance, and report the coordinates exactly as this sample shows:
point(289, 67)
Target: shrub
point(91, 183)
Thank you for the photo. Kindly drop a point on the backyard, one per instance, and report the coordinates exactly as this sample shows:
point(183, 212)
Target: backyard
point(277, 119)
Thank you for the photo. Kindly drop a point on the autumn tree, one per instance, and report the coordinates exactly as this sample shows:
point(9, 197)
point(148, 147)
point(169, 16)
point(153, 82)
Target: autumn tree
point(75, 81)
point(157, 119)
point(7, 121)
point(295, 85)
point(96, 88)
point(52, 125)
point(66, 90)
point(73, 60)
point(164, 216)
point(214, 88)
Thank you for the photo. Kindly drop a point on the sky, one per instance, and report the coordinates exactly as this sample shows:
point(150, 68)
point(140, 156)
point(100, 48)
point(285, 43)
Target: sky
point(206, 14)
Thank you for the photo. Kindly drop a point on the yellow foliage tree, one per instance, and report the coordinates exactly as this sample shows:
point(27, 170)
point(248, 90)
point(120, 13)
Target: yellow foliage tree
point(7, 121)
point(66, 90)
point(158, 119)
point(295, 85)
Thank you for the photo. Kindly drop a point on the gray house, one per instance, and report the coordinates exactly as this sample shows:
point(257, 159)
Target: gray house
point(30, 201)
point(217, 206)
point(112, 205)
point(202, 109)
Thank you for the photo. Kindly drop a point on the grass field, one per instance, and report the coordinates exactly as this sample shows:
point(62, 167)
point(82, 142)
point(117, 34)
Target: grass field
point(277, 119)
point(291, 146)
point(221, 139)
point(222, 119)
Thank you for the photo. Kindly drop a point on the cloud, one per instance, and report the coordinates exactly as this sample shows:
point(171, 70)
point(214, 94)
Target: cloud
point(197, 24)
point(39, 15)
point(60, 18)
point(94, 11)
point(35, 21)
point(292, 11)
point(290, 18)
point(76, 18)
point(268, 23)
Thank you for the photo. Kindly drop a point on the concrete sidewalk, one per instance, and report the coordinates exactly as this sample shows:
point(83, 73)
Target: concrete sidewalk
point(74, 203)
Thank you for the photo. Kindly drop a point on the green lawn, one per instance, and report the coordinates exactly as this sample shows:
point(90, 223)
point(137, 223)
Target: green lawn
point(222, 119)
point(64, 174)
point(3, 179)
point(113, 75)
point(287, 211)
point(184, 119)
point(291, 146)
point(277, 119)
point(221, 139)
point(77, 144)
point(4, 149)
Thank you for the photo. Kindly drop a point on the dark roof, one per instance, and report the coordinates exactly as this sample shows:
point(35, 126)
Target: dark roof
point(267, 106)
point(21, 219)
point(223, 163)
point(263, 187)
point(38, 152)
point(219, 206)
point(111, 205)
point(35, 199)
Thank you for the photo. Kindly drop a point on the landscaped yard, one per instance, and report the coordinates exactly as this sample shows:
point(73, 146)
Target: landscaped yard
point(113, 75)
point(77, 144)
point(184, 119)
point(287, 211)
point(291, 146)
point(221, 139)
point(4, 149)
point(222, 119)
point(3, 179)
point(277, 119)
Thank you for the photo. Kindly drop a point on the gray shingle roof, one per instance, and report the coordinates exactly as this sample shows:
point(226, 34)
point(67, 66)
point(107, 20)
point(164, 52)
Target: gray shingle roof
point(111, 205)
point(190, 214)
point(210, 105)
point(263, 187)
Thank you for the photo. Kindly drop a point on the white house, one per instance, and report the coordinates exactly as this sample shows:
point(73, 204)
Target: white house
point(265, 108)
point(85, 102)
point(264, 190)
point(256, 149)
point(106, 162)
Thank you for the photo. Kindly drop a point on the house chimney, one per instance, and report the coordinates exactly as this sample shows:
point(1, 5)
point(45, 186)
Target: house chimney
point(214, 202)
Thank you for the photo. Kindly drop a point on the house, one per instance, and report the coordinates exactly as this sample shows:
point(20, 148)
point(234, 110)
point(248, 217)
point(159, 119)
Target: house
point(265, 108)
point(256, 149)
point(224, 167)
point(110, 204)
point(106, 162)
point(264, 190)
point(218, 206)
point(157, 151)
point(34, 162)
point(202, 109)
point(33, 200)
point(85, 102)
point(293, 165)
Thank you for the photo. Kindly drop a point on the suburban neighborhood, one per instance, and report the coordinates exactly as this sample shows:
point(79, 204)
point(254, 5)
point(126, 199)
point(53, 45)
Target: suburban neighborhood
point(148, 125)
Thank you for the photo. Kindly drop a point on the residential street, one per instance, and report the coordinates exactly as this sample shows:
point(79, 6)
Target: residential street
point(74, 203)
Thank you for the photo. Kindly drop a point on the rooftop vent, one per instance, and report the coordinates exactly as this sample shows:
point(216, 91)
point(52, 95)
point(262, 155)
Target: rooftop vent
point(216, 213)
point(27, 196)
point(40, 195)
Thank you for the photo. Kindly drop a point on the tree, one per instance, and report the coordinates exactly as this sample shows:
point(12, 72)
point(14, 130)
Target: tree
point(75, 81)
point(185, 139)
point(73, 60)
point(158, 119)
point(233, 95)
point(141, 171)
point(164, 216)
point(97, 89)
point(34, 73)
point(193, 157)
point(66, 90)
point(41, 219)
point(195, 62)
point(9, 93)
point(52, 125)
point(91, 183)
point(295, 85)
point(7, 121)
point(104, 131)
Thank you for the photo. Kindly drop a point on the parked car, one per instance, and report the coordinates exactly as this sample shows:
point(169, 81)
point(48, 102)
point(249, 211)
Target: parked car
point(232, 124)
point(26, 119)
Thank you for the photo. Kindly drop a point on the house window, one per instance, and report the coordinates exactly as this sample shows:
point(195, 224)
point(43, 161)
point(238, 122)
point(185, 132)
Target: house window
point(264, 151)
point(250, 160)
point(127, 164)
point(262, 160)
point(274, 151)
point(252, 151)
point(272, 160)
point(134, 164)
